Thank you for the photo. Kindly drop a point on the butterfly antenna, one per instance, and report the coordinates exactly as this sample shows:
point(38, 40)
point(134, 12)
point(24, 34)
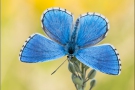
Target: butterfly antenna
point(58, 67)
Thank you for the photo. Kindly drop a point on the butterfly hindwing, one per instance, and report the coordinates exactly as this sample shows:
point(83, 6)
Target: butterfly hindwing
point(103, 58)
point(92, 28)
point(38, 48)
point(57, 24)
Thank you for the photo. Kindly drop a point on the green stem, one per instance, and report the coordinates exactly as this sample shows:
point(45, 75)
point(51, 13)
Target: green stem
point(83, 75)
point(80, 88)
point(75, 86)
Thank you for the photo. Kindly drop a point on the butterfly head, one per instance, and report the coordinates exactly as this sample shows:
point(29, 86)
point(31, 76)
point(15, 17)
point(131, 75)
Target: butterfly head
point(70, 56)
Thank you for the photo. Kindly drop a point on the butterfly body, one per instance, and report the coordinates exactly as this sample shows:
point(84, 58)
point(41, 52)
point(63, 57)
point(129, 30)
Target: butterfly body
point(74, 40)
point(72, 47)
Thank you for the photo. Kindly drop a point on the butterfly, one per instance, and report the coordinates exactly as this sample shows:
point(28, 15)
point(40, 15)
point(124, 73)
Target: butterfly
point(74, 39)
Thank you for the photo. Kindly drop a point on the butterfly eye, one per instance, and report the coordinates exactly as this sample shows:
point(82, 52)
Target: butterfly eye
point(70, 56)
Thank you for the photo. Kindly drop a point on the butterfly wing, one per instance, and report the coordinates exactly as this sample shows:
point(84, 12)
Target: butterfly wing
point(103, 58)
point(57, 23)
point(92, 28)
point(38, 48)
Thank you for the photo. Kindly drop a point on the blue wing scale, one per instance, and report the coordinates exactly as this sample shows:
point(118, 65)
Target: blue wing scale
point(92, 28)
point(57, 24)
point(38, 48)
point(103, 58)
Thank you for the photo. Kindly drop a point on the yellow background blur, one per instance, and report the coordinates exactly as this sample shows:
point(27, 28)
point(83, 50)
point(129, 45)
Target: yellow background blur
point(21, 18)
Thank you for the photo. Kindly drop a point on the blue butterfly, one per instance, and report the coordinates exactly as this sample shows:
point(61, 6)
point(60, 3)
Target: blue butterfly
point(74, 40)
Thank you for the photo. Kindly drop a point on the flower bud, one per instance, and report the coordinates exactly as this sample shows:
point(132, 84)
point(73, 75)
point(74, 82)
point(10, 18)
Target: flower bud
point(71, 67)
point(91, 74)
point(77, 80)
point(77, 66)
point(92, 83)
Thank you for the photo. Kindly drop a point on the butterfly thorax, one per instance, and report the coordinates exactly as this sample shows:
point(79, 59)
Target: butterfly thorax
point(72, 47)
point(70, 50)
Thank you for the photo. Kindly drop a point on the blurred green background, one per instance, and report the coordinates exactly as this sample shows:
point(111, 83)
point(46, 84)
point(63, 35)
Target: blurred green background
point(21, 18)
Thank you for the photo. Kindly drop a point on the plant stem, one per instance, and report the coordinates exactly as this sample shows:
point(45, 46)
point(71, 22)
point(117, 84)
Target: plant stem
point(83, 75)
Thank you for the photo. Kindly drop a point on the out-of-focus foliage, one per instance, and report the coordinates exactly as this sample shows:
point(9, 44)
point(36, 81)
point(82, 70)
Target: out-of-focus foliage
point(21, 18)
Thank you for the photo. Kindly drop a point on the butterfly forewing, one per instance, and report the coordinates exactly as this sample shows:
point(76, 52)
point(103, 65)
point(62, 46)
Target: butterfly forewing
point(40, 49)
point(92, 28)
point(57, 24)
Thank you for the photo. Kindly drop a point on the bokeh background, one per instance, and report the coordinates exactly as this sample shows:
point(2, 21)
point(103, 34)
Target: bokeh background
point(21, 18)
